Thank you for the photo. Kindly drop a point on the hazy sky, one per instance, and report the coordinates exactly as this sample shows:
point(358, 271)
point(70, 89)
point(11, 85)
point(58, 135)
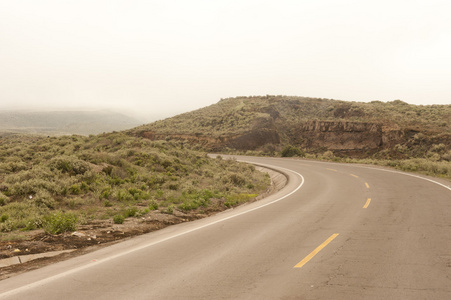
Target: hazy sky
point(172, 56)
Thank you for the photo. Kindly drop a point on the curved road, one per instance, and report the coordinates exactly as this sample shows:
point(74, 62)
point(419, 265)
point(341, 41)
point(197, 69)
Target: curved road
point(336, 231)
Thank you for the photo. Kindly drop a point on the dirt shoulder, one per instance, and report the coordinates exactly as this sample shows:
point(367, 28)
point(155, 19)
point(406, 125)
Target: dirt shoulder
point(37, 249)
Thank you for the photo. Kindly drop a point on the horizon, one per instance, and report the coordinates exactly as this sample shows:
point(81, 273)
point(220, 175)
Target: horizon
point(146, 118)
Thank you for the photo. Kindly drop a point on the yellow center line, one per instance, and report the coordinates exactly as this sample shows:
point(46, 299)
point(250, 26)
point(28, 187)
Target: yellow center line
point(331, 169)
point(367, 185)
point(367, 203)
point(354, 176)
point(314, 252)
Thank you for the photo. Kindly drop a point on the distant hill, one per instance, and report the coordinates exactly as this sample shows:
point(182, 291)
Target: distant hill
point(347, 128)
point(64, 122)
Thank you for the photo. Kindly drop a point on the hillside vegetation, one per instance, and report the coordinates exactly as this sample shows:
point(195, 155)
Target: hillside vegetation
point(269, 123)
point(239, 115)
point(56, 183)
point(64, 122)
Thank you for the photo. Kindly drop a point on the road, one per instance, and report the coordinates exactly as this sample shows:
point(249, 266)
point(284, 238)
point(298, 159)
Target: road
point(337, 231)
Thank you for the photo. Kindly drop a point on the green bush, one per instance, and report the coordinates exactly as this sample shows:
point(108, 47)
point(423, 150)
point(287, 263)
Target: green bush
point(33, 186)
point(193, 204)
point(237, 199)
point(291, 151)
point(130, 212)
point(170, 209)
point(328, 155)
point(123, 195)
point(3, 218)
point(25, 216)
point(59, 222)
point(75, 189)
point(153, 205)
point(118, 219)
point(69, 164)
point(105, 193)
point(43, 199)
point(3, 199)
point(235, 179)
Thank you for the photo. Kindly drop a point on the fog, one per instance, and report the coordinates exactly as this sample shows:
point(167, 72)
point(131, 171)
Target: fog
point(160, 58)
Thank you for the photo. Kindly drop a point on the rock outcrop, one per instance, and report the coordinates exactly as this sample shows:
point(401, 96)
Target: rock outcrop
point(345, 135)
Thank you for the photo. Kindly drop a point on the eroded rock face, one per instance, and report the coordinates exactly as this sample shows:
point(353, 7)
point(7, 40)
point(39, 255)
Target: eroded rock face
point(333, 135)
point(341, 135)
point(254, 139)
point(344, 135)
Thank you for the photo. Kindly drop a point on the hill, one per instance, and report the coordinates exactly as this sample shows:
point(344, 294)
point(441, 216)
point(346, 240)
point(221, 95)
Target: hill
point(64, 122)
point(269, 123)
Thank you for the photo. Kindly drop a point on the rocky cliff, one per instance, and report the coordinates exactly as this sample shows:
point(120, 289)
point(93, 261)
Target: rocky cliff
point(346, 135)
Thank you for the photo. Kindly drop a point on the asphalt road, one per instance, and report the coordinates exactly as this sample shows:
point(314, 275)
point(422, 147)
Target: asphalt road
point(336, 231)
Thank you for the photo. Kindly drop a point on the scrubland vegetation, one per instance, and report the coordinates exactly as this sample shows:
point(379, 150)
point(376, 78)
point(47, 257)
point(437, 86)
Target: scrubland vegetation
point(55, 183)
point(237, 115)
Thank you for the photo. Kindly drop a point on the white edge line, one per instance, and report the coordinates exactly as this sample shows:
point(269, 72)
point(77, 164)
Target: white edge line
point(49, 279)
point(408, 174)
point(384, 170)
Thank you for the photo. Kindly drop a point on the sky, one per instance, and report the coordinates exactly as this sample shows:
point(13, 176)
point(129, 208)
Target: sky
point(160, 58)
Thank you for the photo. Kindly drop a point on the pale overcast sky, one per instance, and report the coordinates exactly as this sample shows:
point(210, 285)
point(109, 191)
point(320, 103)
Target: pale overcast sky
point(169, 56)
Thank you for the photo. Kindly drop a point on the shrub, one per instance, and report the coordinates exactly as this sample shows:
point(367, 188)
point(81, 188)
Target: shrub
point(170, 209)
point(44, 199)
point(60, 222)
point(7, 226)
point(69, 164)
point(328, 154)
point(401, 148)
point(193, 204)
point(173, 186)
point(235, 179)
point(134, 191)
point(75, 189)
point(153, 205)
point(447, 156)
point(33, 186)
point(440, 148)
point(123, 195)
point(118, 219)
point(290, 151)
point(237, 199)
point(433, 156)
point(24, 216)
point(3, 199)
point(3, 218)
point(130, 212)
point(105, 193)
